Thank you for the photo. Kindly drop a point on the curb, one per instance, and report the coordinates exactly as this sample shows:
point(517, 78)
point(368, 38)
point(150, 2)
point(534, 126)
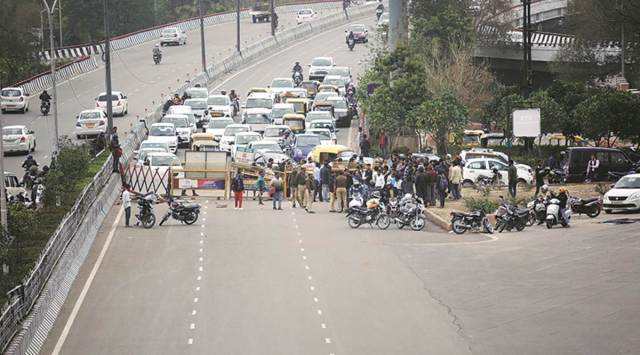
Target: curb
point(437, 220)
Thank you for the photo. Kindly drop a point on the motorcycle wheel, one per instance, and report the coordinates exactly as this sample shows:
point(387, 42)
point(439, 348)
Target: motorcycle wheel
point(417, 224)
point(148, 221)
point(596, 213)
point(532, 219)
point(354, 222)
point(520, 226)
point(458, 227)
point(191, 218)
point(501, 227)
point(383, 221)
point(488, 228)
point(164, 219)
point(549, 224)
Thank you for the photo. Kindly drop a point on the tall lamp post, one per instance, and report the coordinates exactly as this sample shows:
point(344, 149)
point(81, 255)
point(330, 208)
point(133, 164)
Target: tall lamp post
point(54, 100)
point(107, 67)
point(3, 193)
point(238, 25)
point(527, 79)
point(202, 45)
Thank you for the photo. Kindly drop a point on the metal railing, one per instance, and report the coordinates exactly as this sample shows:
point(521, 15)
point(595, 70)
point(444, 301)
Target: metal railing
point(33, 305)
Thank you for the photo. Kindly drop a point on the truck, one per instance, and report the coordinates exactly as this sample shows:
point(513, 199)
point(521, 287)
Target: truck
point(261, 11)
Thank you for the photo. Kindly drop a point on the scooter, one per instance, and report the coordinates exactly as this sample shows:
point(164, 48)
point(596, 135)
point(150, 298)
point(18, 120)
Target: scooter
point(553, 214)
point(589, 206)
point(537, 211)
point(157, 57)
point(45, 106)
point(351, 42)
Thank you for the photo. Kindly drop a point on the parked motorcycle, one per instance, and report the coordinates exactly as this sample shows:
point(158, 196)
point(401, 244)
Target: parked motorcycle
point(476, 220)
point(556, 176)
point(589, 206)
point(553, 214)
point(484, 180)
point(182, 211)
point(537, 211)
point(157, 57)
point(410, 212)
point(509, 217)
point(45, 106)
point(145, 206)
point(351, 42)
point(373, 213)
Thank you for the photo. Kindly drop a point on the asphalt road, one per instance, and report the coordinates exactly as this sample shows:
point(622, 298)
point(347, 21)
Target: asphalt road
point(135, 74)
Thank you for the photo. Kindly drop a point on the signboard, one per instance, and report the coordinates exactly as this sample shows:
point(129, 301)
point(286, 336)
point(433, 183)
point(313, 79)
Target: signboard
point(244, 155)
point(526, 123)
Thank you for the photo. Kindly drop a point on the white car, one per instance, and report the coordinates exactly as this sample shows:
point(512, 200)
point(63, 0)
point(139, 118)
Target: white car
point(624, 196)
point(199, 108)
point(165, 133)
point(161, 162)
point(280, 85)
point(338, 81)
point(475, 153)
point(90, 124)
point(257, 118)
point(219, 106)
point(319, 115)
point(14, 99)
point(184, 110)
point(319, 66)
point(18, 139)
point(305, 15)
point(276, 133)
point(184, 128)
point(243, 139)
point(279, 110)
point(328, 123)
point(217, 126)
point(265, 146)
point(343, 72)
point(148, 145)
point(13, 186)
point(172, 35)
point(229, 135)
point(197, 93)
point(475, 168)
point(258, 100)
point(326, 137)
point(119, 102)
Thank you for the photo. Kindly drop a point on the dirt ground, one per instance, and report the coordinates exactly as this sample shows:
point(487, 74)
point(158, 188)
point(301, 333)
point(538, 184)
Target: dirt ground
point(583, 190)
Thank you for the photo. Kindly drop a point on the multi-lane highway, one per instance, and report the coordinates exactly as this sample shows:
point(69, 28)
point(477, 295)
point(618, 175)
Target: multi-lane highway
point(135, 74)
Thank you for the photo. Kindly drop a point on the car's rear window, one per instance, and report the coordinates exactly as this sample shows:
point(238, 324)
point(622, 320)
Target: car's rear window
point(90, 115)
point(11, 131)
point(104, 98)
point(11, 93)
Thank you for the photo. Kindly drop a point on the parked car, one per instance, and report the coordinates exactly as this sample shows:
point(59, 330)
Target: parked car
point(13, 186)
point(18, 139)
point(119, 102)
point(14, 99)
point(172, 35)
point(611, 160)
point(305, 15)
point(90, 124)
point(624, 196)
point(476, 168)
point(164, 133)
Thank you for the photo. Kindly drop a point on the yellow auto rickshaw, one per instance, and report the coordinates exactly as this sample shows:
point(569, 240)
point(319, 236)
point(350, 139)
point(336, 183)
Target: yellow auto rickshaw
point(300, 106)
point(199, 140)
point(331, 152)
point(257, 90)
point(311, 86)
point(294, 121)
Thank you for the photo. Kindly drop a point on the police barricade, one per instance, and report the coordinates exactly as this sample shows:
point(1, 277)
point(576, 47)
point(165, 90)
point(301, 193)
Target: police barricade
point(205, 173)
point(145, 179)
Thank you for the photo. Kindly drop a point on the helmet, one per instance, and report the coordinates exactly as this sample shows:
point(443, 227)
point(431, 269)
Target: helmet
point(223, 92)
point(544, 188)
point(29, 156)
point(448, 156)
point(297, 63)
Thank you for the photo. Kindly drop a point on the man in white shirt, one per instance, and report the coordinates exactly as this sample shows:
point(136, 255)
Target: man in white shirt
point(126, 203)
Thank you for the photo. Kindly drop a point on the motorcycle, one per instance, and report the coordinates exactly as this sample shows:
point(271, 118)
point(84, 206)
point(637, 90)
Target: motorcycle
point(556, 176)
point(509, 217)
point(373, 213)
point(410, 212)
point(145, 206)
point(537, 211)
point(589, 206)
point(476, 220)
point(553, 214)
point(351, 42)
point(45, 106)
point(157, 57)
point(484, 180)
point(297, 78)
point(184, 212)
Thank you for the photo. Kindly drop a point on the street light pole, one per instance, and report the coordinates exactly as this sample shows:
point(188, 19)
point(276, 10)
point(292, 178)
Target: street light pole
point(60, 20)
point(54, 100)
point(238, 25)
point(526, 46)
point(272, 17)
point(107, 67)
point(3, 192)
point(202, 45)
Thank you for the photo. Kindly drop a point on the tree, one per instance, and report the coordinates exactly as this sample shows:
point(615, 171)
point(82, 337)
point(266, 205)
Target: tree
point(446, 21)
point(605, 116)
point(441, 116)
point(70, 166)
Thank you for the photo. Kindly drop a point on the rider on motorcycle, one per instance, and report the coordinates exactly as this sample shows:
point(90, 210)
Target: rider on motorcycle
point(156, 50)
point(297, 68)
point(29, 162)
point(235, 101)
point(351, 37)
point(45, 97)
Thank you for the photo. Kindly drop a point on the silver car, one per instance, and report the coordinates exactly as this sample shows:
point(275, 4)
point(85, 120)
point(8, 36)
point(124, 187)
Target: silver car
point(18, 139)
point(90, 124)
point(173, 35)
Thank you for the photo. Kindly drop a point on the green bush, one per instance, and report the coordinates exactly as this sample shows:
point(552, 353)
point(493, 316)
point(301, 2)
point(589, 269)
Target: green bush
point(69, 168)
point(485, 204)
